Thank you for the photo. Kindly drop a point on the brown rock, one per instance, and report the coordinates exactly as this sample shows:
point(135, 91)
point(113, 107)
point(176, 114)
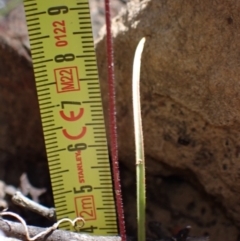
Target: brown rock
point(21, 138)
point(190, 92)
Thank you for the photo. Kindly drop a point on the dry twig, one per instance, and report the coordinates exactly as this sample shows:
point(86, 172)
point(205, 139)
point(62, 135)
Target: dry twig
point(20, 200)
point(27, 188)
point(16, 230)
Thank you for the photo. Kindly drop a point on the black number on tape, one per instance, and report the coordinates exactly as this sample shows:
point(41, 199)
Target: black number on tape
point(82, 189)
point(57, 10)
point(64, 57)
point(77, 147)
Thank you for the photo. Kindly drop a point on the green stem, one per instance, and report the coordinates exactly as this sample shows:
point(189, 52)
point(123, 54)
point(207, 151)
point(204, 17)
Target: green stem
point(139, 147)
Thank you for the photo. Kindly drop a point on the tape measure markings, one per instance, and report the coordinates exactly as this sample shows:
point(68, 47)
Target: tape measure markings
point(54, 164)
point(54, 159)
point(47, 122)
point(56, 177)
point(61, 204)
point(45, 98)
point(46, 103)
point(51, 143)
point(29, 5)
point(40, 80)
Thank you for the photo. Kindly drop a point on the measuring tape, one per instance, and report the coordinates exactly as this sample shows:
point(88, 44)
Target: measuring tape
point(70, 103)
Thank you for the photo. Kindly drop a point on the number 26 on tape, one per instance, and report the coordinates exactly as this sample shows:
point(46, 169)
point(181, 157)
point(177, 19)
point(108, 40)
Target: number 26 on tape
point(71, 117)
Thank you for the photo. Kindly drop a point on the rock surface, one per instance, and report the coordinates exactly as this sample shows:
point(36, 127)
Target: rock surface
point(21, 141)
point(189, 90)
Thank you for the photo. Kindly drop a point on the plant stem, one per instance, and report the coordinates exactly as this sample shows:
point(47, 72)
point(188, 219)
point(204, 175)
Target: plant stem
point(139, 147)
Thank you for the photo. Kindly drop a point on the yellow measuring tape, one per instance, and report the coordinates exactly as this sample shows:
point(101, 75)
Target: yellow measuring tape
point(70, 103)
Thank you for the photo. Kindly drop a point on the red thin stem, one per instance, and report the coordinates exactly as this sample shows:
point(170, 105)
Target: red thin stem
point(113, 124)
